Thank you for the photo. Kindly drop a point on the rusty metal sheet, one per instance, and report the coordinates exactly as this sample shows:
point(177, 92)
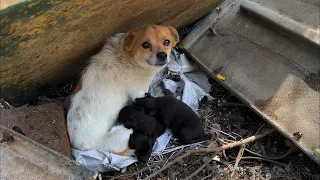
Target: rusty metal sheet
point(269, 53)
point(25, 159)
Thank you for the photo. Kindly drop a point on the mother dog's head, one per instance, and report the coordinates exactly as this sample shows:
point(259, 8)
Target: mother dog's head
point(150, 46)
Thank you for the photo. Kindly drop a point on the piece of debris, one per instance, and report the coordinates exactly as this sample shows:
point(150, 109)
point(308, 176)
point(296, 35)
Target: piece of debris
point(5, 137)
point(44, 124)
point(17, 129)
point(4, 104)
point(297, 136)
point(222, 78)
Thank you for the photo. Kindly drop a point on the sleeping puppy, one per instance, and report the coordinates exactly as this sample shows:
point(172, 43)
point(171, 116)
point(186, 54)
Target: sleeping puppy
point(142, 145)
point(146, 129)
point(134, 117)
point(118, 74)
point(177, 116)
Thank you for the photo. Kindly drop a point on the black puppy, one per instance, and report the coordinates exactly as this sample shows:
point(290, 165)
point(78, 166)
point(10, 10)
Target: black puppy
point(146, 129)
point(134, 117)
point(176, 115)
point(142, 145)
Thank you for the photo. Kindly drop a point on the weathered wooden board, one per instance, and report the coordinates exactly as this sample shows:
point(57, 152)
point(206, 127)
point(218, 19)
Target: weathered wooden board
point(47, 42)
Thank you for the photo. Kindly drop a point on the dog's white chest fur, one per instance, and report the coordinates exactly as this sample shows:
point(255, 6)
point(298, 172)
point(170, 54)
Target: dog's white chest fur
point(108, 84)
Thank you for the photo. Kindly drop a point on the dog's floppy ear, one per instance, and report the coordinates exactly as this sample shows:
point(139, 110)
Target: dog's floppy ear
point(126, 42)
point(175, 35)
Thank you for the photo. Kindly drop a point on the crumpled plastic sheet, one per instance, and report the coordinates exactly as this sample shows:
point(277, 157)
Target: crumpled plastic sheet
point(191, 88)
point(97, 160)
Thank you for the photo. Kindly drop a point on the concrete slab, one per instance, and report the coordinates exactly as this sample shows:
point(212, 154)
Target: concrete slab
point(24, 159)
point(268, 61)
point(44, 124)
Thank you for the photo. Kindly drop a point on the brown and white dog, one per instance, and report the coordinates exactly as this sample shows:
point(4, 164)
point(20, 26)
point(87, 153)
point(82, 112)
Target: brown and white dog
point(118, 74)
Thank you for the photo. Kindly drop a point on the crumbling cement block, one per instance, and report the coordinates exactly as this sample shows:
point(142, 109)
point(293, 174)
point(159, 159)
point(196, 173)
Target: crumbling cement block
point(45, 124)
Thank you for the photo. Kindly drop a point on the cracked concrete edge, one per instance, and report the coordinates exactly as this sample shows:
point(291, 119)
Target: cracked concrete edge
point(45, 154)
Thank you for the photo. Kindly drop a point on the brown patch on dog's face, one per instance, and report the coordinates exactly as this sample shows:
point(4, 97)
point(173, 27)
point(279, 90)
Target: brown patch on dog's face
point(150, 46)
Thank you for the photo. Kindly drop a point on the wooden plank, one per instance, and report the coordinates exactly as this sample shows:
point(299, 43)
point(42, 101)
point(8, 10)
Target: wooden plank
point(48, 42)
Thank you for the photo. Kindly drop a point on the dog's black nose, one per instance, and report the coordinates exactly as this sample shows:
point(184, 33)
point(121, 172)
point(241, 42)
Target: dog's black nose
point(162, 56)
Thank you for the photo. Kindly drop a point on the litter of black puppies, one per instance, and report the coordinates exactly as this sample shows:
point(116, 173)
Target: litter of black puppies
point(149, 116)
point(176, 115)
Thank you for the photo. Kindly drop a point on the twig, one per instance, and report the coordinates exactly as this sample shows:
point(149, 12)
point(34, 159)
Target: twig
point(263, 159)
point(168, 165)
point(222, 142)
point(225, 141)
point(240, 153)
point(233, 104)
point(211, 150)
point(291, 150)
point(5, 104)
point(224, 155)
point(171, 175)
point(206, 177)
point(222, 132)
point(131, 174)
point(260, 127)
point(163, 161)
point(232, 145)
point(199, 169)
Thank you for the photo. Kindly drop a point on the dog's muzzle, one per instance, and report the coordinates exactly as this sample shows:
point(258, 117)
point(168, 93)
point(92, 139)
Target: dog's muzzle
point(162, 59)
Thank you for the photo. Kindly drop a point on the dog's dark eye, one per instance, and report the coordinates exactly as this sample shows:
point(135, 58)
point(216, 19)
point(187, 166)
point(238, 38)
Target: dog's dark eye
point(146, 45)
point(166, 42)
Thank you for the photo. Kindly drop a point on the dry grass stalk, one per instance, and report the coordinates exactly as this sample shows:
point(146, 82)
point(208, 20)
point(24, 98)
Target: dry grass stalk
point(211, 150)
